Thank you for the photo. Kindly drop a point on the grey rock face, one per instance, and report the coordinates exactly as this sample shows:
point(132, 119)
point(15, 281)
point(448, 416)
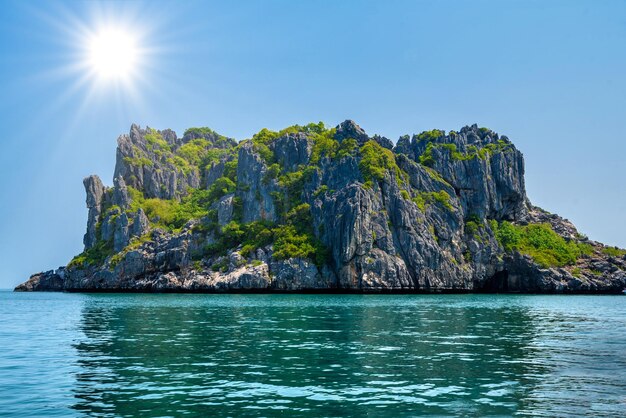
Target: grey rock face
point(293, 150)
point(225, 209)
point(383, 142)
point(120, 193)
point(423, 226)
point(121, 234)
point(95, 191)
point(140, 225)
point(488, 187)
point(296, 274)
point(107, 226)
point(141, 165)
point(254, 189)
point(215, 171)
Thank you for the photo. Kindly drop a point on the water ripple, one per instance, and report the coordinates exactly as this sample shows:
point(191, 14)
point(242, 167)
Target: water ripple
point(311, 355)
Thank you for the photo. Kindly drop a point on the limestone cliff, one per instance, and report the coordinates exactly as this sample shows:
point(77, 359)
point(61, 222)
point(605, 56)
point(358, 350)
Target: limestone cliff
point(316, 209)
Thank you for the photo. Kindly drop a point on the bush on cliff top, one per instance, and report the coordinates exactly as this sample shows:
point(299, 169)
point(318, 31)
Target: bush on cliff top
point(427, 158)
point(218, 140)
point(431, 135)
point(324, 143)
point(376, 161)
point(155, 141)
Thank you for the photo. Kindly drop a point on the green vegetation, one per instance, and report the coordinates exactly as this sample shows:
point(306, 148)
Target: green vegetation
point(230, 169)
point(434, 174)
point(135, 242)
point(376, 161)
point(219, 141)
point(320, 190)
point(546, 247)
point(473, 151)
point(293, 184)
point(431, 229)
point(198, 153)
point(614, 251)
point(94, 256)
point(484, 131)
point(348, 147)
point(195, 155)
point(272, 172)
point(427, 158)
point(265, 152)
point(182, 164)
point(471, 228)
point(156, 142)
point(431, 135)
point(294, 238)
point(290, 243)
point(473, 224)
point(426, 198)
point(265, 136)
point(172, 214)
point(492, 148)
point(311, 128)
point(324, 145)
point(194, 150)
point(138, 161)
point(220, 187)
point(200, 132)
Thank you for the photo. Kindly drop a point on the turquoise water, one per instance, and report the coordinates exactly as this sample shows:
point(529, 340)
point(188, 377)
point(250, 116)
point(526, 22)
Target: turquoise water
point(311, 355)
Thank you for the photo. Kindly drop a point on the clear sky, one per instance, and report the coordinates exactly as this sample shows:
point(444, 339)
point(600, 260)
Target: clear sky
point(551, 75)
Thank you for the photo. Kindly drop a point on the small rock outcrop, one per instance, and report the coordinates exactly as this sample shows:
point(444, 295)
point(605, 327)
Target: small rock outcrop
point(48, 281)
point(316, 209)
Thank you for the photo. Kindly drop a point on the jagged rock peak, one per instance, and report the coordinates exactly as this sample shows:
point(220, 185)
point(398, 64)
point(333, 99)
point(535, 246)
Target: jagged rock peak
point(349, 129)
point(216, 140)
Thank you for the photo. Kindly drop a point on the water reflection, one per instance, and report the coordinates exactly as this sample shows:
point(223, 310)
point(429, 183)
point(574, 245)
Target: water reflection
point(230, 355)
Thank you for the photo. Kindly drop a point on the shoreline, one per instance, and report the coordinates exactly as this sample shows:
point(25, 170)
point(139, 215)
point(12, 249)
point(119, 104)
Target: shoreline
point(322, 292)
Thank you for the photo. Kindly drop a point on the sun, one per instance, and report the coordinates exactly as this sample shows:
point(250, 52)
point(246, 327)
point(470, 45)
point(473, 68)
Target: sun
point(113, 54)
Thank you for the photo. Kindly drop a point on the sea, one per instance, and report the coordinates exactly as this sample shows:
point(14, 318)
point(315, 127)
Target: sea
point(223, 355)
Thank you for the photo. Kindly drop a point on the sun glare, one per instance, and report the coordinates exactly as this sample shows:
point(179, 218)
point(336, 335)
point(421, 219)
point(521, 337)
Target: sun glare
point(113, 54)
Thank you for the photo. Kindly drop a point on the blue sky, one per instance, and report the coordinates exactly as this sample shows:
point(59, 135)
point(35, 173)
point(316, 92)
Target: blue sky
point(548, 74)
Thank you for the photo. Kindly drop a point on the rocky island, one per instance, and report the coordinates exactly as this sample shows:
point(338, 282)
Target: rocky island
point(310, 208)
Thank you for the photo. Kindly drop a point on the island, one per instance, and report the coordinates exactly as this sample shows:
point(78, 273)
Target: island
point(317, 209)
